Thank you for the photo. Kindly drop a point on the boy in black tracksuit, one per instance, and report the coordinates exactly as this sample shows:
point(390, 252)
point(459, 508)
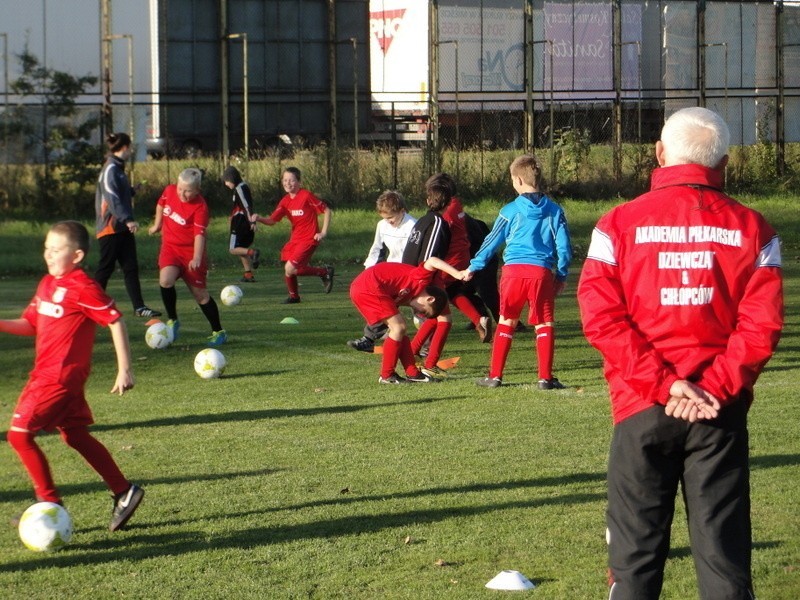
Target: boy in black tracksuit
point(242, 229)
point(431, 237)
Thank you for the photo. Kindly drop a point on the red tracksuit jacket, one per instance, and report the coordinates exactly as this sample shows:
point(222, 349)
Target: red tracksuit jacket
point(681, 283)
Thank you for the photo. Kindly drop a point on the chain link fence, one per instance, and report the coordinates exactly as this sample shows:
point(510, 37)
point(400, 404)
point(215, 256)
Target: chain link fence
point(584, 85)
point(598, 79)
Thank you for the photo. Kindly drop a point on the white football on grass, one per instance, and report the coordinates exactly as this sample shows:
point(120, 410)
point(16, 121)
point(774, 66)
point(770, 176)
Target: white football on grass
point(231, 295)
point(45, 526)
point(209, 363)
point(158, 336)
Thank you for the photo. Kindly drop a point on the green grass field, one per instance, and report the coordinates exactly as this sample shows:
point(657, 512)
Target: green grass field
point(297, 476)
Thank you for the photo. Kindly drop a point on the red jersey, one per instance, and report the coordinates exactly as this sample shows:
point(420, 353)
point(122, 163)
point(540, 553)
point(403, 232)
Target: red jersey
point(64, 312)
point(399, 281)
point(458, 252)
point(681, 283)
point(377, 291)
point(302, 211)
point(182, 221)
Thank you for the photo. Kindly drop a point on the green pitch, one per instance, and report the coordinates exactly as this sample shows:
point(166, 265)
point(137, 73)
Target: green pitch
point(297, 476)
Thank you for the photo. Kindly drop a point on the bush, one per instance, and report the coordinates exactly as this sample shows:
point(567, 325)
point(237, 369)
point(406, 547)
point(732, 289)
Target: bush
point(349, 179)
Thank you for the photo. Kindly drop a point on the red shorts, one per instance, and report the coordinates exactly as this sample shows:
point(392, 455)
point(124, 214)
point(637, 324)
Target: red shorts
point(298, 253)
point(374, 307)
point(175, 257)
point(50, 405)
point(527, 284)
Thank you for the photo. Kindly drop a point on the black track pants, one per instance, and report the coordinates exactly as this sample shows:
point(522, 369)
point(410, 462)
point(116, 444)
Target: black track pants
point(651, 454)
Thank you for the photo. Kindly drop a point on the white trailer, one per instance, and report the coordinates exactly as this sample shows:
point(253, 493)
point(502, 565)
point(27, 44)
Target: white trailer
point(480, 53)
point(398, 50)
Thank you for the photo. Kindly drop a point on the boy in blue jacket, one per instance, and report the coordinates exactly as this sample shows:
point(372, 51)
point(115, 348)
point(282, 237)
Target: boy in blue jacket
point(534, 230)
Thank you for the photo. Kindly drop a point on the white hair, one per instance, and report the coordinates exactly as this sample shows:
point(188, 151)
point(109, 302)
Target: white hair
point(192, 177)
point(695, 135)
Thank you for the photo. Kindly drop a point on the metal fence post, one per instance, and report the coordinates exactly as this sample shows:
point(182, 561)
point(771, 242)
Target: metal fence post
point(5, 103)
point(616, 17)
point(780, 124)
point(551, 137)
point(701, 54)
point(334, 117)
point(245, 93)
point(106, 123)
point(355, 93)
point(433, 88)
point(529, 116)
point(394, 149)
point(224, 83)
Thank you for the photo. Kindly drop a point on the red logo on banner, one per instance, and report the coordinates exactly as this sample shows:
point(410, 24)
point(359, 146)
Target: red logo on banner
point(384, 25)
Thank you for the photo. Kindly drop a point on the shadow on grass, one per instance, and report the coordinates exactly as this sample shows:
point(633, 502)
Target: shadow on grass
point(760, 462)
point(352, 498)
point(770, 461)
point(774, 366)
point(256, 415)
point(135, 546)
point(97, 486)
point(254, 374)
point(686, 552)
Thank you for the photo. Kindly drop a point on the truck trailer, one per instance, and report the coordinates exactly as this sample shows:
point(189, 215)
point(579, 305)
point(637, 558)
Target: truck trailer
point(482, 71)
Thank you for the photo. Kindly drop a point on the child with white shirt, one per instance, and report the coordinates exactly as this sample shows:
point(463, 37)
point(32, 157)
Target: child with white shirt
point(392, 230)
point(391, 235)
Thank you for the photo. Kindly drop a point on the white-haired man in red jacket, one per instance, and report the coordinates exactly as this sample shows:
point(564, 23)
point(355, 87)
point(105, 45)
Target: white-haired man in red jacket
point(682, 294)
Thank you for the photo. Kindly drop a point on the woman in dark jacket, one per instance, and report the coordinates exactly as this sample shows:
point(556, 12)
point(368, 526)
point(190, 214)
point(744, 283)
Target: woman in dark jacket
point(116, 226)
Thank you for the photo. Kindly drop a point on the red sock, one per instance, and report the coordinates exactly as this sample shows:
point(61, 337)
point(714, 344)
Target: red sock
point(291, 284)
point(35, 463)
point(98, 457)
point(437, 343)
point(501, 346)
point(391, 351)
point(465, 306)
point(306, 270)
point(425, 331)
point(545, 348)
point(407, 357)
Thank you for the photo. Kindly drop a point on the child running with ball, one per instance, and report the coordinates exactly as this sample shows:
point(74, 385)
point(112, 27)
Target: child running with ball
point(63, 315)
point(182, 218)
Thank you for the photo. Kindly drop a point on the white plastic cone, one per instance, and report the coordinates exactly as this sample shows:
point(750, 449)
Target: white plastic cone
point(510, 581)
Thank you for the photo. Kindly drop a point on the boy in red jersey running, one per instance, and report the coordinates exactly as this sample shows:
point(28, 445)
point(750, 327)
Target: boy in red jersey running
point(183, 214)
point(67, 306)
point(378, 292)
point(301, 207)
